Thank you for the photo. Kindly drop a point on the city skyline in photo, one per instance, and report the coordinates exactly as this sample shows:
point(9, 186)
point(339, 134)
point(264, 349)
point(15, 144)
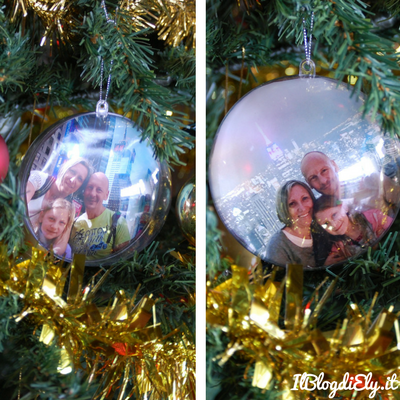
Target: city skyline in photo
point(281, 114)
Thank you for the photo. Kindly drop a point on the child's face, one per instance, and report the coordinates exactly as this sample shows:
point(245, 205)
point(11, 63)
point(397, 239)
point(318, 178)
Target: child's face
point(334, 220)
point(54, 222)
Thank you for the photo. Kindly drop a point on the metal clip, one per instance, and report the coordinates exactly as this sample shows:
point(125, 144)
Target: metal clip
point(102, 109)
point(307, 69)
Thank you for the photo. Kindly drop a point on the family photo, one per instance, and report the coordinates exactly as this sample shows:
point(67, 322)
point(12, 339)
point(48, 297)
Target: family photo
point(91, 188)
point(315, 189)
point(329, 229)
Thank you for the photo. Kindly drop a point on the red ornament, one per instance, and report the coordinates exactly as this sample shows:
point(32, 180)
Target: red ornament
point(4, 159)
point(126, 350)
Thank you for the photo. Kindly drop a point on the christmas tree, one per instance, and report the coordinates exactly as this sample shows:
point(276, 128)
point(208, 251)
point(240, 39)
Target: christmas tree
point(347, 317)
point(117, 331)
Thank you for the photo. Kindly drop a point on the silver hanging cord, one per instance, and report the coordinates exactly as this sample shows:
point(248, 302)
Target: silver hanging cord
point(102, 105)
point(103, 6)
point(307, 66)
point(307, 44)
point(108, 19)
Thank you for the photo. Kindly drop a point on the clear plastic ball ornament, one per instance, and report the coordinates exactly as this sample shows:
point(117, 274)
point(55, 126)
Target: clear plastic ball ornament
point(92, 186)
point(186, 210)
point(298, 176)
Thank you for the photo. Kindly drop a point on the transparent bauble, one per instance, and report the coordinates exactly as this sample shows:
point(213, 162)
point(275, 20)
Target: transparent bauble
point(92, 186)
point(186, 210)
point(299, 176)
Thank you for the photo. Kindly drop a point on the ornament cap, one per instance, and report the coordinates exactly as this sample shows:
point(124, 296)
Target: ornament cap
point(307, 69)
point(102, 109)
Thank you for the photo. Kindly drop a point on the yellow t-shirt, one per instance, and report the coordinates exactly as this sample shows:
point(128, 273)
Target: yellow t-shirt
point(90, 236)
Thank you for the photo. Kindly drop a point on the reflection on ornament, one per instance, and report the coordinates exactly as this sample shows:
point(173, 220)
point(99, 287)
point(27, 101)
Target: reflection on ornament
point(186, 210)
point(233, 250)
point(294, 139)
point(4, 159)
point(116, 192)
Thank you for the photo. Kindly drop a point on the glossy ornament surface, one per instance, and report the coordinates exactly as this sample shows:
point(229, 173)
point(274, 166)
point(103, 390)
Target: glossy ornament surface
point(298, 176)
point(186, 210)
point(93, 187)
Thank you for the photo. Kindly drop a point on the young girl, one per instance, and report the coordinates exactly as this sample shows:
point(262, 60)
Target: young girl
point(351, 231)
point(54, 226)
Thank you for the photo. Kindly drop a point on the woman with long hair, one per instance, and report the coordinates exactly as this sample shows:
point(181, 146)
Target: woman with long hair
point(42, 188)
point(301, 240)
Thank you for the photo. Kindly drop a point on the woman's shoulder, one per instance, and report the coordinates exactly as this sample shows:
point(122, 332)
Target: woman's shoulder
point(40, 174)
point(38, 178)
point(276, 238)
point(277, 247)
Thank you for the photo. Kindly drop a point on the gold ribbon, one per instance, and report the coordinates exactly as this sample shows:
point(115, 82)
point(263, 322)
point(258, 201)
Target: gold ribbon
point(250, 316)
point(118, 338)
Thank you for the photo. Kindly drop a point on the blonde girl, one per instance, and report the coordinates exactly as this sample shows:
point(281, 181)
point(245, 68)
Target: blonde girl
point(54, 226)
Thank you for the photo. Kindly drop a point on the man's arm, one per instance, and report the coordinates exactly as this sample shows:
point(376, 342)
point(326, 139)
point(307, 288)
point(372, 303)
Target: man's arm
point(122, 237)
point(380, 190)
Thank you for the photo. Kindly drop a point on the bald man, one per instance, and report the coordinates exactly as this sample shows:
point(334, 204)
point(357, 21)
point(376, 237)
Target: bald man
point(321, 173)
point(99, 231)
point(375, 191)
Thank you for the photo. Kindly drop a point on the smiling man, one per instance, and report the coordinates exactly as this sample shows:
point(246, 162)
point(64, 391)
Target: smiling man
point(99, 231)
point(321, 173)
point(374, 191)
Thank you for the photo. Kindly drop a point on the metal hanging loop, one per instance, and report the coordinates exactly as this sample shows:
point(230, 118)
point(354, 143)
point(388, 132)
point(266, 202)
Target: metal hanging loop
point(307, 66)
point(307, 69)
point(102, 108)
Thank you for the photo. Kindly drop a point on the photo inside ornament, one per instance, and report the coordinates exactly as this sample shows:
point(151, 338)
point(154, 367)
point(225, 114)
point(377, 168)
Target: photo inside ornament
point(299, 176)
point(93, 187)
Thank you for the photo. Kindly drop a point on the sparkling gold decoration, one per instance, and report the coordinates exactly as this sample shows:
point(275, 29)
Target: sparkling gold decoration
point(186, 210)
point(143, 13)
point(175, 20)
point(117, 342)
point(54, 16)
point(249, 314)
point(19, 5)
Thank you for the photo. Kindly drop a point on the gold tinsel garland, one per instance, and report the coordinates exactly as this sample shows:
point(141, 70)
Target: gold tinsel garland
point(249, 315)
point(175, 20)
point(117, 341)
